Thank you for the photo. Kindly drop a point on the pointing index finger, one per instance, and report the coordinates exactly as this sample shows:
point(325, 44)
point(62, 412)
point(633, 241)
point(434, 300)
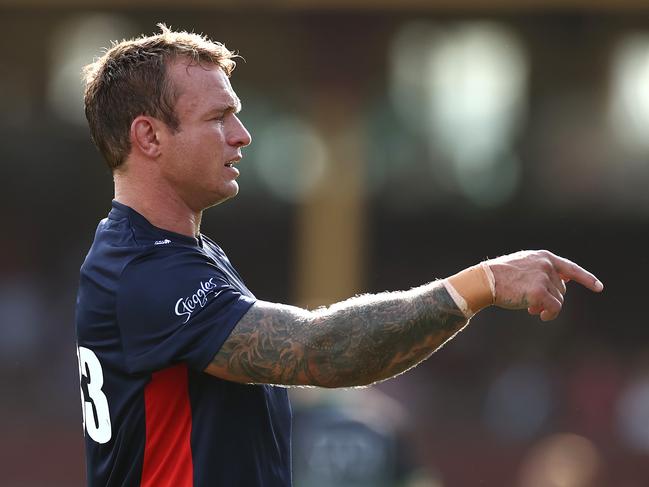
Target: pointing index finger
point(571, 271)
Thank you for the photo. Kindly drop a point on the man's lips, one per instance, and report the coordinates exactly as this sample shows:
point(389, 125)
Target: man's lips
point(230, 166)
point(232, 162)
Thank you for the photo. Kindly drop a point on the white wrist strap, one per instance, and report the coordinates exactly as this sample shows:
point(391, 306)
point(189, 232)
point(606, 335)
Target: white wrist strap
point(472, 289)
point(492, 280)
point(460, 302)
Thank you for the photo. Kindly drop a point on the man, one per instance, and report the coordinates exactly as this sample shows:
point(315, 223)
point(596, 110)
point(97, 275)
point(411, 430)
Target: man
point(176, 355)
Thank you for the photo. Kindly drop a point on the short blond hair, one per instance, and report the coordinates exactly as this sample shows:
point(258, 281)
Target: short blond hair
point(131, 79)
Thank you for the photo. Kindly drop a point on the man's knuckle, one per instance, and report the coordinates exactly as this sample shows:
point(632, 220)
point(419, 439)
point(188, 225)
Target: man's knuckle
point(546, 266)
point(538, 293)
point(544, 280)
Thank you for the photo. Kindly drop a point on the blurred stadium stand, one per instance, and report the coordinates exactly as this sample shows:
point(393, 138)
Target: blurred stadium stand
point(393, 143)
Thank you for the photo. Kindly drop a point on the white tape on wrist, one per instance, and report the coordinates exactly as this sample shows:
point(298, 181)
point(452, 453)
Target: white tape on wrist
point(492, 280)
point(460, 302)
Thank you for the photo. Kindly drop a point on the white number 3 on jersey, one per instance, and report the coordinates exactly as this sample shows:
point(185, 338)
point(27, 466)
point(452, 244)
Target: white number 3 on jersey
point(98, 427)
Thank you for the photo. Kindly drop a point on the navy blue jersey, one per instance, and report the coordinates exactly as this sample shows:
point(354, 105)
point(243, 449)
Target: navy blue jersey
point(153, 309)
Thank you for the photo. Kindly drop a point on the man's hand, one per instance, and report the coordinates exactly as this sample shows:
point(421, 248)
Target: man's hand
point(536, 280)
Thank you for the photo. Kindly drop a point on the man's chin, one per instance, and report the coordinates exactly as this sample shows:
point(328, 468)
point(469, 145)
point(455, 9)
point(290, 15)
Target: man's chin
point(222, 196)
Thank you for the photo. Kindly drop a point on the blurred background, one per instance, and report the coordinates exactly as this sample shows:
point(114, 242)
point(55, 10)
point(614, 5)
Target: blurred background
point(393, 143)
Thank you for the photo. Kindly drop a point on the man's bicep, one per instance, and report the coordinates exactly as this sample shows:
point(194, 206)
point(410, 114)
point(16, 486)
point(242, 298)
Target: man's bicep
point(267, 346)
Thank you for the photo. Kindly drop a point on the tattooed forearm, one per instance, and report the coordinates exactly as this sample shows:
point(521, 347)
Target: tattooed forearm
point(356, 342)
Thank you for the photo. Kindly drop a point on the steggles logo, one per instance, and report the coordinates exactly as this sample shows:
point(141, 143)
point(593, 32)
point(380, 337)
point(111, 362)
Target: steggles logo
point(186, 306)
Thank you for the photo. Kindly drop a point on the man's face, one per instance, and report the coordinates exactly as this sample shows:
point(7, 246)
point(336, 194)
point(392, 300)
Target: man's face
point(198, 160)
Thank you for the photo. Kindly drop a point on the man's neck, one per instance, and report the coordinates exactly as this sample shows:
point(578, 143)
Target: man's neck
point(163, 209)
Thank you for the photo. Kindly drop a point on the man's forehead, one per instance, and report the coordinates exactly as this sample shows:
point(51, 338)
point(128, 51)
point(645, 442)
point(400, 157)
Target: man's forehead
point(198, 80)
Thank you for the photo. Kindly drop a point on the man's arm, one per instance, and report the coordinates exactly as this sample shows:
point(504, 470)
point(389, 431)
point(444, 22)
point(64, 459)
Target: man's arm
point(356, 342)
point(373, 337)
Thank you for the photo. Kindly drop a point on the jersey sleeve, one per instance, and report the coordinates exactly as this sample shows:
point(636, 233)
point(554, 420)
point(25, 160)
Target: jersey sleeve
point(175, 307)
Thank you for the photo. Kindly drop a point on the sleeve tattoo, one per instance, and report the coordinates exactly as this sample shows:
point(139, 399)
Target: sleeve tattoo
point(356, 342)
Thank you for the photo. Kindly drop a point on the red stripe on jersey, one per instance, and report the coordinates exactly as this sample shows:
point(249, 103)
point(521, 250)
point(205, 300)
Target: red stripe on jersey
point(168, 414)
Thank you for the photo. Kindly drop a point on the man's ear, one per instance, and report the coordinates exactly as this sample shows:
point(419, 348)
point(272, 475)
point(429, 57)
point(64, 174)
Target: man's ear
point(144, 136)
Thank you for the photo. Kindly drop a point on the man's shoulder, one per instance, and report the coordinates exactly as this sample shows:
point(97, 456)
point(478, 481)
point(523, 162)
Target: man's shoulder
point(119, 244)
point(113, 247)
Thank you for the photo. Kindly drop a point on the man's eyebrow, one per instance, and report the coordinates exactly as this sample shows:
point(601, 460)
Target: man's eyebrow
point(237, 104)
point(234, 107)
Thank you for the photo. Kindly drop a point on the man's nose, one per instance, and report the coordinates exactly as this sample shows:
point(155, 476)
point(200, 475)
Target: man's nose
point(239, 136)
